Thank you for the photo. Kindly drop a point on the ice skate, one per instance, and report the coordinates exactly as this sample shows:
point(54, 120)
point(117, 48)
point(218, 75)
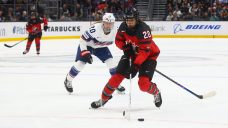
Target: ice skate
point(68, 85)
point(158, 99)
point(99, 103)
point(25, 52)
point(38, 52)
point(120, 90)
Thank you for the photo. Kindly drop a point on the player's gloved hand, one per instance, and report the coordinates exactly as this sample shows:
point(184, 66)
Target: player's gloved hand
point(128, 50)
point(45, 28)
point(28, 25)
point(132, 71)
point(133, 68)
point(87, 56)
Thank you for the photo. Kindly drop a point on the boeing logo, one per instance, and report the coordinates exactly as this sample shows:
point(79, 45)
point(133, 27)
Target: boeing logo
point(177, 27)
point(210, 27)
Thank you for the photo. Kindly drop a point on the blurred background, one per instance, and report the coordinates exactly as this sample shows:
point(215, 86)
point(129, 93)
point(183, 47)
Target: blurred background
point(92, 10)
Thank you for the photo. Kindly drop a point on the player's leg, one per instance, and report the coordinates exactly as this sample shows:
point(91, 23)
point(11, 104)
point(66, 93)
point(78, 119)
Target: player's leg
point(29, 43)
point(106, 57)
point(37, 41)
point(113, 83)
point(108, 90)
point(74, 71)
point(146, 73)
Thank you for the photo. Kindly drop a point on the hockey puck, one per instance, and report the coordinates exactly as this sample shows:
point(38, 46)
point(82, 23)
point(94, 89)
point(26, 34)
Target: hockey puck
point(123, 113)
point(140, 119)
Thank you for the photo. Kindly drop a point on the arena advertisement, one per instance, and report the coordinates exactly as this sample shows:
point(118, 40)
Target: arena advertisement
point(2, 32)
point(67, 30)
point(189, 29)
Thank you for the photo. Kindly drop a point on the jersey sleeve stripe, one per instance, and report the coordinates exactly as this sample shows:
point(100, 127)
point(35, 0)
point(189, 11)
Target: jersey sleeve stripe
point(87, 33)
point(85, 36)
point(85, 39)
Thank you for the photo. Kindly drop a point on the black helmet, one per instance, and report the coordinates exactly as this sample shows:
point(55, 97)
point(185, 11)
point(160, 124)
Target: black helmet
point(132, 13)
point(33, 14)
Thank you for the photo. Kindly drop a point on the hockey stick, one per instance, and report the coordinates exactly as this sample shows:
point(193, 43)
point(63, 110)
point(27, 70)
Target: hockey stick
point(10, 46)
point(206, 95)
point(127, 113)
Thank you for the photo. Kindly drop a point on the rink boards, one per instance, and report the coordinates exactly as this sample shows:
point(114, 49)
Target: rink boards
point(15, 31)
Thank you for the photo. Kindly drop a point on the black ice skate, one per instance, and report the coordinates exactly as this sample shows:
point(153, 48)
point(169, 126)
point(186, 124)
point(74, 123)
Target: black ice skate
point(38, 52)
point(158, 99)
point(26, 51)
point(120, 90)
point(99, 103)
point(68, 85)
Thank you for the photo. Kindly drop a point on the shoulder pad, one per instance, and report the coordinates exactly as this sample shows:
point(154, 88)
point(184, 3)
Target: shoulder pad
point(122, 27)
point(144, 31)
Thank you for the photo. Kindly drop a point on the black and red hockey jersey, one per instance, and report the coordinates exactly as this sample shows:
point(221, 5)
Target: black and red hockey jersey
point(141, 38)
point(34, 25)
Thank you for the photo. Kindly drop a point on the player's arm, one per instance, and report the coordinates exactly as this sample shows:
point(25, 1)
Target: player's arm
point(120, 39)
point(45, 21)
point(144, 47)
point(29, 27)
point(85, 38)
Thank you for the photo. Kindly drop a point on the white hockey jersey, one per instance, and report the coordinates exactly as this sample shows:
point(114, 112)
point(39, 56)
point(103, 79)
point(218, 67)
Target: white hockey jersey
point(95, 37)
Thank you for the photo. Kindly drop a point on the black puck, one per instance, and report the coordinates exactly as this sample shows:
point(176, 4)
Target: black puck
point(140, 119)
point(123, 113)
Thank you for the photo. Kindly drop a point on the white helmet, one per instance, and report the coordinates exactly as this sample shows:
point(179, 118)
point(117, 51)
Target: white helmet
point(108, 17)
point(108, 22)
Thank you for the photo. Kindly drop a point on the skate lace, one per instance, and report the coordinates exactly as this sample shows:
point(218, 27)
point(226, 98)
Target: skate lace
point(68, 83)
point(99, 103)
point(157, 98)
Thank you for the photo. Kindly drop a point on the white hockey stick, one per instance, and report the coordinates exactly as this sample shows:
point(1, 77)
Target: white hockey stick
point(127, 113)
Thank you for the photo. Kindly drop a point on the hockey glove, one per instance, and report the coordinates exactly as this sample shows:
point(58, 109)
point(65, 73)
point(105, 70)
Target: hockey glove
point(86, 56)
point(133, 68)
point(132, 71)
point(128, 50)
point(45, 28)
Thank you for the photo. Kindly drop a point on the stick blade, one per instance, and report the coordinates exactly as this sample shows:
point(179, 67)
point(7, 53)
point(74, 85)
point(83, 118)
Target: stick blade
point(209, 94)
point(126, 114)
point(7, 45)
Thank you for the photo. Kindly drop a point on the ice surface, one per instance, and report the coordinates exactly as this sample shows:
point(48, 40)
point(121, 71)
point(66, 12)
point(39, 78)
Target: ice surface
point(32, 94)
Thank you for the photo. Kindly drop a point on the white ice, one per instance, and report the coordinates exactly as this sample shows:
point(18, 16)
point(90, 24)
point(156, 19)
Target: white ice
point(32, 94)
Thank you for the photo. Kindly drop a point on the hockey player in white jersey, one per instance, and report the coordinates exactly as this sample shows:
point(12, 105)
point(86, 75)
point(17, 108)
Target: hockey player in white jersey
point(95, 41)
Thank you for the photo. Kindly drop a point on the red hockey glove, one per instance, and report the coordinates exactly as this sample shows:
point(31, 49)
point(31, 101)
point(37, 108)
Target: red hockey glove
point(86, 56)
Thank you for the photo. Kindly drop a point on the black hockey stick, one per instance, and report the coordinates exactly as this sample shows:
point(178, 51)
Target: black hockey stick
point(10, 46)
point(209, 94)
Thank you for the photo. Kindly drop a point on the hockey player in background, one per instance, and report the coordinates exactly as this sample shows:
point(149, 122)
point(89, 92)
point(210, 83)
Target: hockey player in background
point(95, 41)
point(140, 54)
point(35, 32)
